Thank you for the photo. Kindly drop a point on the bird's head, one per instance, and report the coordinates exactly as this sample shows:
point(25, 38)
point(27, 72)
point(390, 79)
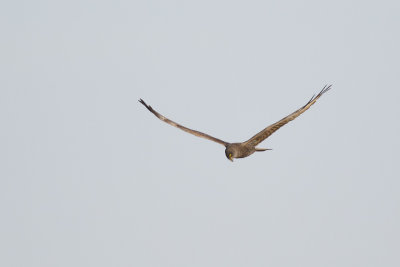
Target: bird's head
point(230, 153)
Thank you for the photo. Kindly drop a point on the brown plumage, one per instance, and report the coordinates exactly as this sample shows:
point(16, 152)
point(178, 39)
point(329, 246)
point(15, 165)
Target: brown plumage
point(242, 150)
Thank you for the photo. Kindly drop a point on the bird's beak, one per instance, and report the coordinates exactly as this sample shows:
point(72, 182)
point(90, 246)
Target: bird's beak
point(231, 159)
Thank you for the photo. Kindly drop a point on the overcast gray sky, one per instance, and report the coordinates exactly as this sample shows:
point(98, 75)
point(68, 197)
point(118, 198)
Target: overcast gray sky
point(90, 178)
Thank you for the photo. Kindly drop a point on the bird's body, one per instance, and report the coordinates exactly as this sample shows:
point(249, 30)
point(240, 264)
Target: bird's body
point(244, 149)
point(239, 150)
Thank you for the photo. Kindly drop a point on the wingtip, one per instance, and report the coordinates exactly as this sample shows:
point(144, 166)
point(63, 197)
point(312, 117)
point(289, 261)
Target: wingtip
point(327, 88)
point(324, 90)
point(141, 101)
point(144, 104)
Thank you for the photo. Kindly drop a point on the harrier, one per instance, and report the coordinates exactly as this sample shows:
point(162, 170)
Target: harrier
point(242, 150)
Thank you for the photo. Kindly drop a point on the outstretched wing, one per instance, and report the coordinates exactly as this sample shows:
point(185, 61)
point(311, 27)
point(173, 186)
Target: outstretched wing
point(194, 132)
point(261, 136)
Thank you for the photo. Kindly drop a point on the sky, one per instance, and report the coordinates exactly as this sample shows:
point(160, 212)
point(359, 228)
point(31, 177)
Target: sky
point(89, 177)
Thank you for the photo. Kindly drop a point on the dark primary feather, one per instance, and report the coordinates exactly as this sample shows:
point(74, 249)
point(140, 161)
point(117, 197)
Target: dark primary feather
point(261, 136)
point(194, 132)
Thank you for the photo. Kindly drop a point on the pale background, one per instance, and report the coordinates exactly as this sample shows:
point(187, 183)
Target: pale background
point(90, 178)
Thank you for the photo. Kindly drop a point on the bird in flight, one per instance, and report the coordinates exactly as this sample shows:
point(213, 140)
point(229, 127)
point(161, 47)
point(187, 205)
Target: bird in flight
point(244, 149)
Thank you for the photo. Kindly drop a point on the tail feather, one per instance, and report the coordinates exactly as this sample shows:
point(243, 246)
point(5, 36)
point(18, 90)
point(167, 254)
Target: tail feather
point(262, 149)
